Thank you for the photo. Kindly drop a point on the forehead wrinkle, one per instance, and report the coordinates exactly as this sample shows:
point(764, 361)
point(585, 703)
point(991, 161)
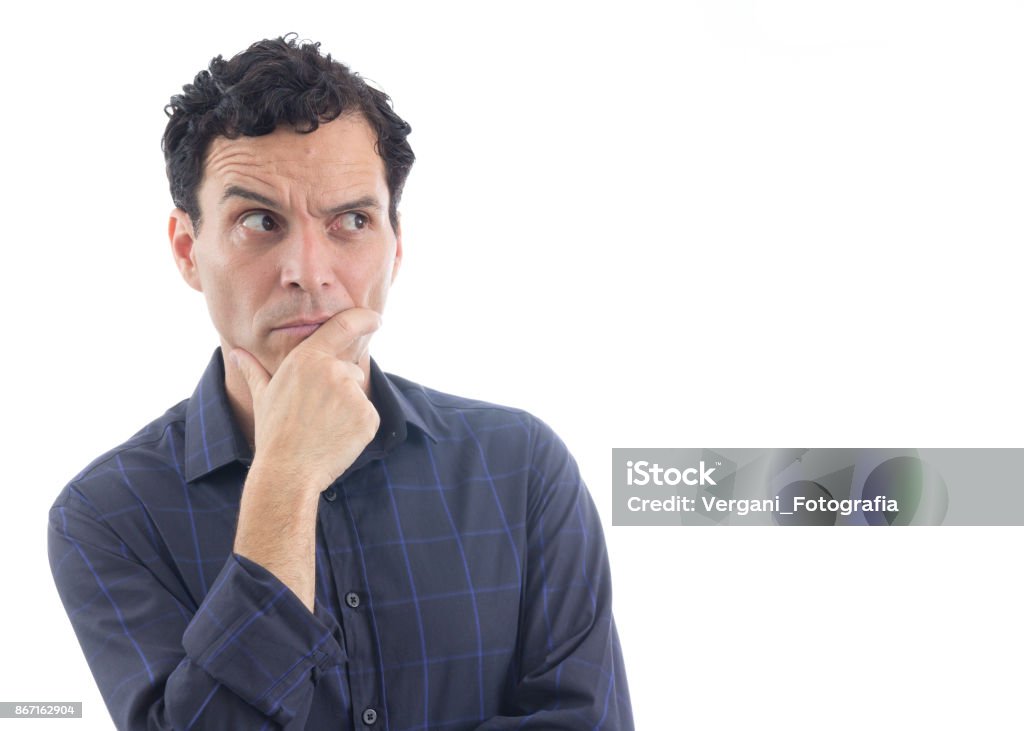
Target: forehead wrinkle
point(279, 167)
point(294, 152)
point(314, 192)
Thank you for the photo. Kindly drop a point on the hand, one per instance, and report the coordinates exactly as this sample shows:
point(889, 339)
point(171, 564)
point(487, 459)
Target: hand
point(313, 418)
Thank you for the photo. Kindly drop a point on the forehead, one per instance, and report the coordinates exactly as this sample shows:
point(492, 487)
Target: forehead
point(337, 157)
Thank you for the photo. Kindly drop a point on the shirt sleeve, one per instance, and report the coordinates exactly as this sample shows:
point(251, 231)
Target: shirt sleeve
point(571, 673)
point(247, 657)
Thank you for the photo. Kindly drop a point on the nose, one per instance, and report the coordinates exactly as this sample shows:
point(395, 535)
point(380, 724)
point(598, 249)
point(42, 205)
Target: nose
point(307, 261)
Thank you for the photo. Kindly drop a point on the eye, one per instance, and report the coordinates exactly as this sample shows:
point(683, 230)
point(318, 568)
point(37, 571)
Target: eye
point(352, 221)
point(259, 222)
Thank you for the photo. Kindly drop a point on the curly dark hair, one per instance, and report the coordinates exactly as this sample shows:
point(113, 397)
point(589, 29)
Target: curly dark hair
point(273, 82)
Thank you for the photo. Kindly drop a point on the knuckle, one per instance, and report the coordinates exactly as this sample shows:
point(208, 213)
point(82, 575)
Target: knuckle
point(355, 372)
point(343, 372)
point(346, 374)
point(369, 417)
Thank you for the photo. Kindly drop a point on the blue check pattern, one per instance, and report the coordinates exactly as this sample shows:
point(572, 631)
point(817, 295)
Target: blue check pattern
point(462, 579)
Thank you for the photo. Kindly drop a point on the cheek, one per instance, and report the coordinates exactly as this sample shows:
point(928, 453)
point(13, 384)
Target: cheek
point(376, 284)
point(230, 295)
point(219, 300)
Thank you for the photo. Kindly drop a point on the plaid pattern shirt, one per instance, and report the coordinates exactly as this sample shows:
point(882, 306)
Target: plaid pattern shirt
point(462, 580)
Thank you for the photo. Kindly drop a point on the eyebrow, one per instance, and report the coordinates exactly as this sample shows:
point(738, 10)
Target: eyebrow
point(237, 191)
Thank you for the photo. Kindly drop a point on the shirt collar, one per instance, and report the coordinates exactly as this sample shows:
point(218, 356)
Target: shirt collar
point(213, 438)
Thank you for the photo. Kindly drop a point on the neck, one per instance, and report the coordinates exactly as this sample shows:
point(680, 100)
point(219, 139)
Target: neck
point(241, 402)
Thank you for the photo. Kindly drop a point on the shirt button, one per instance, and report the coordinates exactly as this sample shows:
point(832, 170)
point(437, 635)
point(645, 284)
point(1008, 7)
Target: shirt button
point(369, 717)
point(352, 599)
point(330, 495)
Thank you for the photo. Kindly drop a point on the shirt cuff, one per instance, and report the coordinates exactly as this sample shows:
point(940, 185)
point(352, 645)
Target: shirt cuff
point(254, 635)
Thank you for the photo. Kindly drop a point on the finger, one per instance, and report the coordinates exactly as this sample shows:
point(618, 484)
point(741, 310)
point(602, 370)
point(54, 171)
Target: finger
point(254, 374)
point(346, 335)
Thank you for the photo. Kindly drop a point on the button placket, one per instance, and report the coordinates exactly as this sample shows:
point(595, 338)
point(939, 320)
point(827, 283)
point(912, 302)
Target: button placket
point(349, 585)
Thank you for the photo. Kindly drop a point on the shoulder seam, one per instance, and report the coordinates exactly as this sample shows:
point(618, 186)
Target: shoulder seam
point(121, 449)
point(478, 405)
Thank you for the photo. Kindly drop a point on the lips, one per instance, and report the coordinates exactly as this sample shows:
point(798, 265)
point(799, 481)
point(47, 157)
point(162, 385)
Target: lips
point(299, 330)
point(302, 327)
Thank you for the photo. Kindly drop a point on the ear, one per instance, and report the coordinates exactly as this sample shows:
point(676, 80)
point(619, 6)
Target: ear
point(182, 236)
point(398, 249)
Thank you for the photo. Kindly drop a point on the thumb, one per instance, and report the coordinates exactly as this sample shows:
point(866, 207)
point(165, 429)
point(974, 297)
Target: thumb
point(255, 375)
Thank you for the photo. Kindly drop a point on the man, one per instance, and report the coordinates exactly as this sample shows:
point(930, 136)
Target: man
point(308, 542)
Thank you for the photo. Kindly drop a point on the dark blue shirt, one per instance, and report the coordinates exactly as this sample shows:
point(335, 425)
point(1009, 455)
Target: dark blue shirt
point(462, 579)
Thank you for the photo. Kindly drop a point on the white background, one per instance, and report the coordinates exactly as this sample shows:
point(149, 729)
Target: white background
point(725, 224)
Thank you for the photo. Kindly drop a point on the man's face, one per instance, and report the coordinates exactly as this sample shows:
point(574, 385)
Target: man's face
point(294, 228)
